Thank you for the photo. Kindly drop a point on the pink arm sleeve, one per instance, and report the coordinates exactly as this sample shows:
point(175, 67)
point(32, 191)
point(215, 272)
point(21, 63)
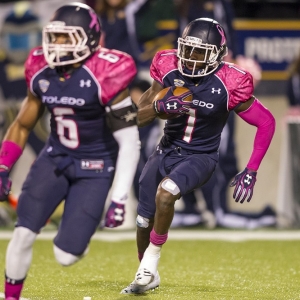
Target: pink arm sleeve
point(9, 154)
point(259, 116)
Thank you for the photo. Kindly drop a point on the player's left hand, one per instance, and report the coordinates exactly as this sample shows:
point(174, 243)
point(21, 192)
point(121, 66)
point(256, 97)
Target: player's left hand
point(244, 184)
point(115, 215)
point(5, 185)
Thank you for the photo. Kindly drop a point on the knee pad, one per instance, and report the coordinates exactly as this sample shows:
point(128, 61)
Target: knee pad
point(170, 186)
point(65, 258)
point(142, 222)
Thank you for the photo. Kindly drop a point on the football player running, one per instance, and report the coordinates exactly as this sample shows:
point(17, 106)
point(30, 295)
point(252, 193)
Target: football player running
point(187, 154)
point(93, 141)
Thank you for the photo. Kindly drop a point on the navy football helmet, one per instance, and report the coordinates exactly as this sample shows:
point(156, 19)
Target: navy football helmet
point(83, 27)
point(204, 36)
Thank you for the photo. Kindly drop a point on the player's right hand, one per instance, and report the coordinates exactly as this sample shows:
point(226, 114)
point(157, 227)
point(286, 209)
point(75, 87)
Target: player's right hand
point(5, 185)
point(171, 104)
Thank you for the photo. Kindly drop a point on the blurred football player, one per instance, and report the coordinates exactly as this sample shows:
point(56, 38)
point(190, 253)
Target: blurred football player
point(93, 140)
point(187, 154)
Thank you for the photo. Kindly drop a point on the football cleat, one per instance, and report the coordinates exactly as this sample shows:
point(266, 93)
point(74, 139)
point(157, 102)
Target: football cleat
point(135, 288)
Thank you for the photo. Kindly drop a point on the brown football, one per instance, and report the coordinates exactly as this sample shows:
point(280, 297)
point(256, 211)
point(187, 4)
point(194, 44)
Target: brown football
point(179, 90)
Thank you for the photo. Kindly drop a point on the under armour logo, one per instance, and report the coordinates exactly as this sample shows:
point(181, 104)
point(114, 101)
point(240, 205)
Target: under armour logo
point(85, 83)
point(119, 214)
point(213, 90)
point(84, 163)
point(248, 179)
point(170, 106)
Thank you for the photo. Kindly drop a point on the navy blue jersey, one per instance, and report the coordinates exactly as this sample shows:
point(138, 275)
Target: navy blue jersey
point(214, 96)
point(77, 104)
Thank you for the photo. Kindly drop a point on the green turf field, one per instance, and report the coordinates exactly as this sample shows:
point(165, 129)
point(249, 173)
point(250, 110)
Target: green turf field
point(191, 269)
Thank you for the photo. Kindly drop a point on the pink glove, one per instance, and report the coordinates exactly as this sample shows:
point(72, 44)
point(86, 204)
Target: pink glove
point(115, 215)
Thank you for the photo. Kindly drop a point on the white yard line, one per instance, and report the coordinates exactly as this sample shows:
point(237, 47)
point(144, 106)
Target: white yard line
point(230, 235)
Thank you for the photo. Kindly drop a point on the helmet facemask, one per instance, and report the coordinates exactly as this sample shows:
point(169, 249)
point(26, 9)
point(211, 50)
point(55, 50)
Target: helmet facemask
point(76, 50)
point(212, 56)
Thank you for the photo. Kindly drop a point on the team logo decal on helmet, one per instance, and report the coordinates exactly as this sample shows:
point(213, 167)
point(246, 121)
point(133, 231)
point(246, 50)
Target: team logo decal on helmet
point(94, 21)
point(221, 30)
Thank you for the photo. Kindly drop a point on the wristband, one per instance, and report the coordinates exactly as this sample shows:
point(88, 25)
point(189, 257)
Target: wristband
point(9, 154)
